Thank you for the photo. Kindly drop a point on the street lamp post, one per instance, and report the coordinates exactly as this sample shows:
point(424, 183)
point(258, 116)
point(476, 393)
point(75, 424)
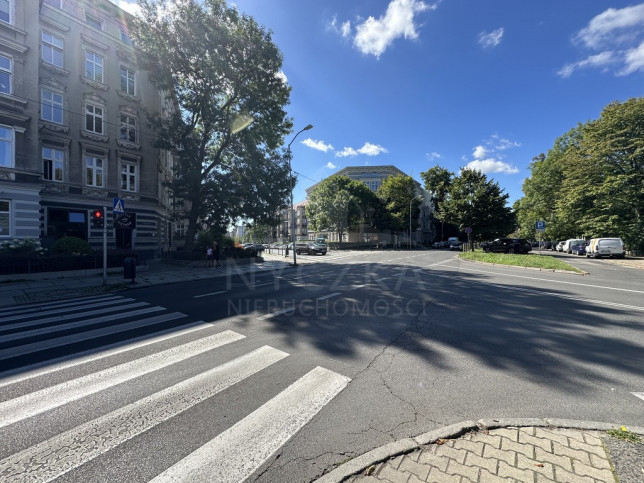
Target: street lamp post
point(288, 150)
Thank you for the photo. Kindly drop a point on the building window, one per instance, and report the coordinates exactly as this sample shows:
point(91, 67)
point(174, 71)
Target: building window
point(127, 80)
point(4, 217)
point(93, 118)
point(51, 107)
point(94, 167)
point(128, 176)
point(52, 49)
point(93, 21)
point(5, 10)
point(6, 70)
point(128, 128)
point(94, 66)
point(6, 147)
point(53, 164)
point(125, 38)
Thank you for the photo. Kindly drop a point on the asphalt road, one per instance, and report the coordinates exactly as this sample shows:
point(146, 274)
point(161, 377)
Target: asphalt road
point(406, 342)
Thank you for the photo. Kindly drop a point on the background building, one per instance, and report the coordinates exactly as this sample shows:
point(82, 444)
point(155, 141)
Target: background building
point(73, 128)
point(373, 177)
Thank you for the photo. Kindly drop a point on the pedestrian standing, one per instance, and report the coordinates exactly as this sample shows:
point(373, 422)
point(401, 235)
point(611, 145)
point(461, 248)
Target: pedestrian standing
point(210, 258)
point(216, 254)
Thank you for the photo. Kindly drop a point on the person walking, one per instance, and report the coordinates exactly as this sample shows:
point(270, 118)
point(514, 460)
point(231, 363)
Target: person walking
point(216, 254)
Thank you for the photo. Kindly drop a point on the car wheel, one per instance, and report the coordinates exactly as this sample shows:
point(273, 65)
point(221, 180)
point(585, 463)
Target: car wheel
point(511, 250)
point(297, 252)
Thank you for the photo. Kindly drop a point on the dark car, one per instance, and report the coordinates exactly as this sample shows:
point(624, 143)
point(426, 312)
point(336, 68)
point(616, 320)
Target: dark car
point(507, 245)
point(579, 248)
point(456, 246)
point(310, 248)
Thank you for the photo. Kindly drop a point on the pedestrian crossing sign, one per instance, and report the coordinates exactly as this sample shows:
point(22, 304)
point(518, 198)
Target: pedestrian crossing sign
point(119, 206)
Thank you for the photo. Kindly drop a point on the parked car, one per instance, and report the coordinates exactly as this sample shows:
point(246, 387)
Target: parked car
point(579, 249)
point(507, 245)
point(560, 245)
point(606, 247)
point(568, 244)
point(456, 246)
point(310, 248)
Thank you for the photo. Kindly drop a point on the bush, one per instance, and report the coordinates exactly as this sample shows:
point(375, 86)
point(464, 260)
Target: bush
point(71, 245)
point(18, 247)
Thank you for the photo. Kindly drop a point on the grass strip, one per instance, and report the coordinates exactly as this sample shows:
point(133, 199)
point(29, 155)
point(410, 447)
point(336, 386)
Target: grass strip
point(544, 262)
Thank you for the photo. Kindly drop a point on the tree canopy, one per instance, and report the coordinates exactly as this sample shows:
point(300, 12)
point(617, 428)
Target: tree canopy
point(398, 195)
point(476, 202)
point(339, 204)
point(223, 70)
point(597, 176)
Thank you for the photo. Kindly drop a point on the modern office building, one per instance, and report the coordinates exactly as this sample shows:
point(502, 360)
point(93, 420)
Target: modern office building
point(73, 133)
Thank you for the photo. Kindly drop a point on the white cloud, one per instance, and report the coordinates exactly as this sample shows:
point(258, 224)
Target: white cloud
point(330, 165)
point(491, 39)
point(488, 166)
point(634, 60)
point(600, 60)
point(374, 36)
point(282, 76)
point(371, 149)
point(432, 156)
point(345, 29)
point(129, 6)
point(614, 38)
point(347, 153)
point(367, 149)
point(612, 26)
point(479, 152)
point(317, 145)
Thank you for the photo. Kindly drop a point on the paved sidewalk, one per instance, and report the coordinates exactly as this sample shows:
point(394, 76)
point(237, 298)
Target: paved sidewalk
point(41, 287)
point(540, 451)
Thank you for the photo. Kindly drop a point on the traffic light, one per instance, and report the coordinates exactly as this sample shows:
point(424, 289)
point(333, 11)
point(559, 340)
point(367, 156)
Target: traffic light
point(98, 220)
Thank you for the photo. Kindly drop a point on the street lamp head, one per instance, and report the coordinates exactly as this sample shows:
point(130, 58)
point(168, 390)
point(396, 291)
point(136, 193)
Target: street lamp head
point(310, 126)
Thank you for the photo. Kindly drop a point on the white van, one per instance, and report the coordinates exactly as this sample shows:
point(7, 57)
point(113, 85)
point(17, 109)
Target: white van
point(606, 247)
point(568, 244)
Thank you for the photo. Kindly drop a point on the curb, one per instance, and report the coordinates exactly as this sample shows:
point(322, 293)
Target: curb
point(407, 445)
point(536, 269)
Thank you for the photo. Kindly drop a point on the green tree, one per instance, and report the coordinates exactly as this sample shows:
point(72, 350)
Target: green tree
point(476, 202)
point(542, 198)
point(224, 71)
point(398, 195)
point(438, 181)
point(603, 187)
point(339, 204)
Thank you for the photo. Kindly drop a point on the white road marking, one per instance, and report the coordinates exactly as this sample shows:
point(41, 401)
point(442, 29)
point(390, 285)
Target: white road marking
point(236, 453)
point(324, 297)
point(57, 310)
point(30, 372)
point(547, 280)
point(29, 405)
point(72, 325)
point(639, 395)
point(53, 458)
point(279, 312)
point(209, 294)
point(40, 307)
point(88, 335)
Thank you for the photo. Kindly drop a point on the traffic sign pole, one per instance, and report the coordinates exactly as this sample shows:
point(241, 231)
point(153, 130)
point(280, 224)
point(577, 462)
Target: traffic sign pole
point(104, 246)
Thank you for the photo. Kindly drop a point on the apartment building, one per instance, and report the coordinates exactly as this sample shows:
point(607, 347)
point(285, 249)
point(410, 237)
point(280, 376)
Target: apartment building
point(73, 134)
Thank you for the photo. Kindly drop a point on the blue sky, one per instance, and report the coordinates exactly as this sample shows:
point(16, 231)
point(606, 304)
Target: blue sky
point(488, 84)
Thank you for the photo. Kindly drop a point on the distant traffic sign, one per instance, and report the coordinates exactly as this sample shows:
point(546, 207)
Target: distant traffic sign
point(540, 225)
point(119, 206)
point(468, 230)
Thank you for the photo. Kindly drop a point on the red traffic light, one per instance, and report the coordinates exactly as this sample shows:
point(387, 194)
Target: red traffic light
point(98, 219)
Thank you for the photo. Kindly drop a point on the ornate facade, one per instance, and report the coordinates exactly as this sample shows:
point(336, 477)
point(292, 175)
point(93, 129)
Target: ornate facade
point(73, 127)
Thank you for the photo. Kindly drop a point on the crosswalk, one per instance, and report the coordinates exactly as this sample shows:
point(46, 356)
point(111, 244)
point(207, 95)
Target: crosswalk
point(60, 358)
